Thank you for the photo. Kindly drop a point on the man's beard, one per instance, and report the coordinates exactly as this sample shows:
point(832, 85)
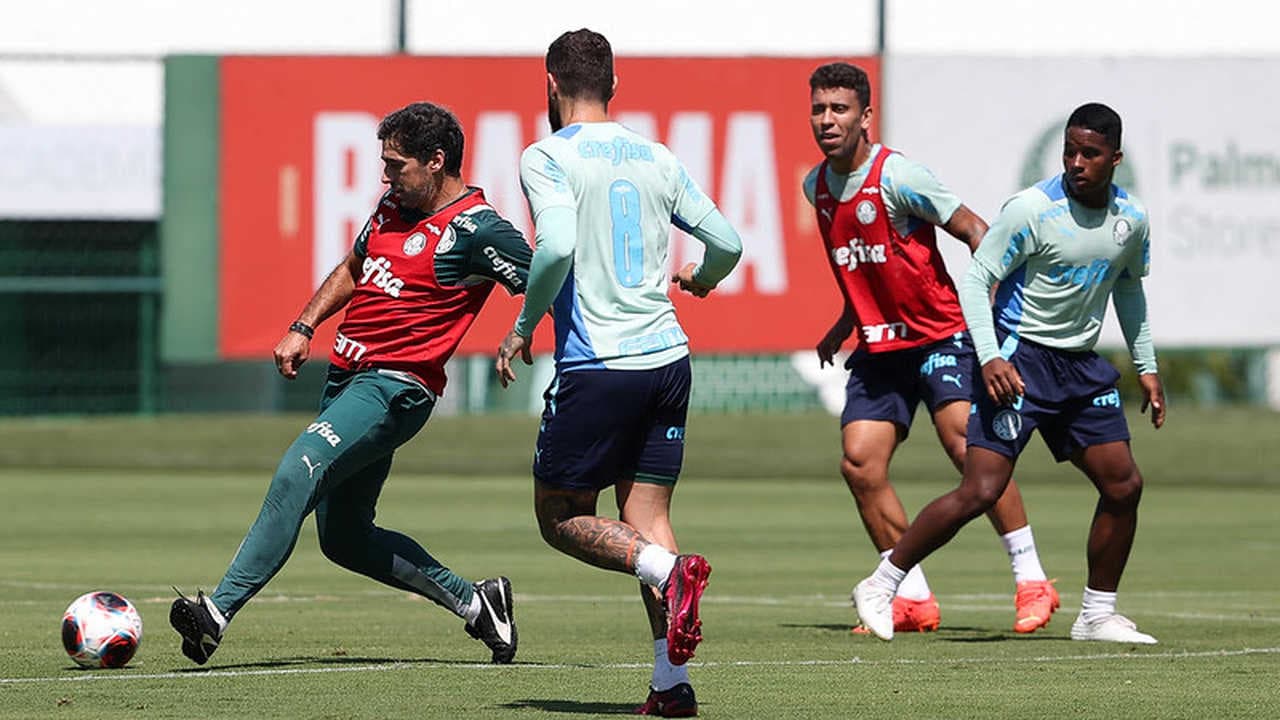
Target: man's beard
point(553, 115)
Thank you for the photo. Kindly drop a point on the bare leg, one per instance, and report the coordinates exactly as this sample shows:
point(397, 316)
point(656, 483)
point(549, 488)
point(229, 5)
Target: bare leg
point(951, 422)
point(569, 524)
point(646, 507)
point(986, 474)
point(1115, 519)
point(868, 446)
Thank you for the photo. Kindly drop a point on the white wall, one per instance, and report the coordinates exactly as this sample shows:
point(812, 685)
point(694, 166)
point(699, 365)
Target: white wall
point(653, 27)
point(95, 64)
point(1177, 28)
point(1202, 151)
point(158, 27)
point(79, 92)
point(658, 27)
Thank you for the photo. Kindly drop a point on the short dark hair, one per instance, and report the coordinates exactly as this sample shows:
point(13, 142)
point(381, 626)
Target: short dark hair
point(420, 129)
point(842, 75)
point(582, 63)
point(1100, 119)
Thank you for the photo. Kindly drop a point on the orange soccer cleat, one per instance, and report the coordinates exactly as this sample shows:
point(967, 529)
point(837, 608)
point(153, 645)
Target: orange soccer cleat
point(1035, 602)
point(912, 616)
point(916, 615)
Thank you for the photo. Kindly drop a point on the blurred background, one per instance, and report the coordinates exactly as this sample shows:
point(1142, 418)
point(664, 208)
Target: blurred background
point(176, 178)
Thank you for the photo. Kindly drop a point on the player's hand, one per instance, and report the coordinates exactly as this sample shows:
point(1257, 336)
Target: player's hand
point(513, 344)
point(1003, 382)
point(684, 278)
point(1153, 397)
point(292, 350)
point(831, 342)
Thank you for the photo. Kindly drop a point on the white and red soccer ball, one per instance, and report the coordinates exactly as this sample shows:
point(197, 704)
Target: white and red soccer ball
point(101, 630)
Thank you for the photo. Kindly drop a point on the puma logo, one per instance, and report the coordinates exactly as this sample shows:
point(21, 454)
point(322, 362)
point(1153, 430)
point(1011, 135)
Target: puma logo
point(311, 469)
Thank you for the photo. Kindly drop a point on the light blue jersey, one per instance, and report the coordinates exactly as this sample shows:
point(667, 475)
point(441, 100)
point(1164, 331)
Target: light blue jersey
point(1057, 262)
point(624, 192)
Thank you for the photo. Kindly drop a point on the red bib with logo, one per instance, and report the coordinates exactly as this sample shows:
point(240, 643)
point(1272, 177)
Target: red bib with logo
point(400, 317)
point(898, 285)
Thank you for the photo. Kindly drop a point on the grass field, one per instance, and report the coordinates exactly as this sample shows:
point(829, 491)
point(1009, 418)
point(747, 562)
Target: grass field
point(135, 505)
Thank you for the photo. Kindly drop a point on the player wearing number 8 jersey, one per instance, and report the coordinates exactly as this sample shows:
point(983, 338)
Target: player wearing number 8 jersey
point(603, 200)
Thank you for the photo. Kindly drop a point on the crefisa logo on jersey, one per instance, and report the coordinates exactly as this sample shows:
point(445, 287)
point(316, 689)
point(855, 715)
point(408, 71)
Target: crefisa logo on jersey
point(414, 244)
point(856, 253)
point(1007, 425)
point(1121, 231)
point(866, 212)
point(378, 271)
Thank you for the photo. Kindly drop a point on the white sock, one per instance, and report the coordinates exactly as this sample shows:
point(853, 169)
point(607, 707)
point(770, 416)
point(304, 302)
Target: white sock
point(217, 615)
point(666, 675)
point(473, 610)
point(913, 585)
point(654, 564)
point(1023, 558)
point(1097, 604)
point(888, 575)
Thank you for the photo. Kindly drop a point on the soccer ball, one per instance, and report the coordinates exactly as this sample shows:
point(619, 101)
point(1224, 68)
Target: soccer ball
point(101, 629)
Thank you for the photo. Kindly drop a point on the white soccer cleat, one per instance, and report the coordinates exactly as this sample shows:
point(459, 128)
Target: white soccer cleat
point(1112, 628)
point(875, 608)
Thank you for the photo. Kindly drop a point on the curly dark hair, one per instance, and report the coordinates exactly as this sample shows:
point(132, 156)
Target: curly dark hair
point(420, 129)
point(842, 75)
point(1100, 119)
point(582, 63)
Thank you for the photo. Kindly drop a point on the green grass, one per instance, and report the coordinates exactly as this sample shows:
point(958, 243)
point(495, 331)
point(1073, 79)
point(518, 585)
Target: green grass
point(136, 505)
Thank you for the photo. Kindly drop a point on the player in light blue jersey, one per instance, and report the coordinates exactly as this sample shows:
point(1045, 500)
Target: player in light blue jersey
point(877, 212)
point(603, 201)
point(1058, 250)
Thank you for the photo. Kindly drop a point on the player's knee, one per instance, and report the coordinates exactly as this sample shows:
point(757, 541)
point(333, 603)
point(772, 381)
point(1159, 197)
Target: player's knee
point(1124, 490)
point(549, 528)
point(862, 475)
point(299, 471)
point(288, 494)
point(979, 494)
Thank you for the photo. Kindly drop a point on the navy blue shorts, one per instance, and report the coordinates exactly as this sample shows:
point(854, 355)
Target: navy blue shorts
point(600, 426)
point(889, 385)
point(1071, 397)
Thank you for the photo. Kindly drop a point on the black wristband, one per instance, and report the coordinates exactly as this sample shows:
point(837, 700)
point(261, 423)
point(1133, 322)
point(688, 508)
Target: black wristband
point(302, 329)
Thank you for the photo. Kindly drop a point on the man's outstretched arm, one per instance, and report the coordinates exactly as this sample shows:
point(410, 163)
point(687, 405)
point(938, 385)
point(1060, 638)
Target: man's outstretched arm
point(332, 295)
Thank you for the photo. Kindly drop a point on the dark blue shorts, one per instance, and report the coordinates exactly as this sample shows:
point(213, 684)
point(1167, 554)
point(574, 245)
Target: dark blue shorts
point(1071, 397)
point(600, 426)
point(889, 385)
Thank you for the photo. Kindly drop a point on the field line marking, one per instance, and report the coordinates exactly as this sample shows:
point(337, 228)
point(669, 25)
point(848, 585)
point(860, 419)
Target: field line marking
point(811, 601)
point(1173, 655)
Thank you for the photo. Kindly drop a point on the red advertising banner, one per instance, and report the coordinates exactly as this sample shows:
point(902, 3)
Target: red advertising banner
point(300, 172)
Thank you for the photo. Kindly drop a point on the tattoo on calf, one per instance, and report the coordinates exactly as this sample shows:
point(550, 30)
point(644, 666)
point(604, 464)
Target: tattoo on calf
point(569, 525)
point(602, 542)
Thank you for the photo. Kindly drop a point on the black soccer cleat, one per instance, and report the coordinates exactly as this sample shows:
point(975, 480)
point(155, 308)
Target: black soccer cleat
point(679, 701)
point(496, 624)
point(193, 621)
